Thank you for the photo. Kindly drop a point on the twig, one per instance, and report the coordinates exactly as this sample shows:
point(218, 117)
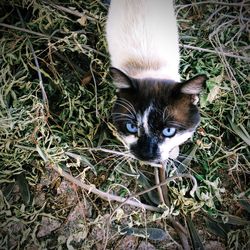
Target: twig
point(167, 180)
point(44, 95)
point(95, 88)
point(74, 66)
point(109, 151)
point(215, 52)
point(211, 2)
point(178, 227)
point(110, 197)
point(26, 30)
point(84, 46)
point(156, 165)
point(162, 175)
point(157, 181)
point(121, 154)
point(70, 11)
point(103, 195)
point(183, 235)
point(235, 17)
point(164, 194)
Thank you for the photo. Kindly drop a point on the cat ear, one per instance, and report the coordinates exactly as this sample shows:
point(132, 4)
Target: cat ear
point(194, 85)
point(121, 80)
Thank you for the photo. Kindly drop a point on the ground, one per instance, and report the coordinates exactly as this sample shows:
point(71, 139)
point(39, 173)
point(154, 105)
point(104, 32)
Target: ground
point(65, 179)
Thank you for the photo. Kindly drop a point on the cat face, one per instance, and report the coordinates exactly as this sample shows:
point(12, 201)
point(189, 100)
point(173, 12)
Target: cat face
point(154, 117)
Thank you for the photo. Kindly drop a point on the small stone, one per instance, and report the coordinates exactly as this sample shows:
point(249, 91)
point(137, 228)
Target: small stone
point(146, 246)
point(48, 225)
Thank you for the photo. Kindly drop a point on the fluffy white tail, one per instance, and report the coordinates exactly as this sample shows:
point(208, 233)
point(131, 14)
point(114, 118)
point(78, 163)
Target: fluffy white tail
point(142, 38)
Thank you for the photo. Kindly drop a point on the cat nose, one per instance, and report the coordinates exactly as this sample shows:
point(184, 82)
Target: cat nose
point(146, 148)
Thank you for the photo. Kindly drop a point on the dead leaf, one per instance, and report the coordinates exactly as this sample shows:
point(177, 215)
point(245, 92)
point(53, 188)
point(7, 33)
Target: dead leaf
point(24, 187)
point(240, 131)
point(146, 246)
point(212, 244)
point(79, 212)
point(77, 238)
point(86, 79)
point(128, 242)
point(82, 20)
point(48, 225)
point(214, 87)
point(214, 93)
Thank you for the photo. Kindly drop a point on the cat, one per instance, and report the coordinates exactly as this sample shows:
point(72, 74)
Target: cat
point(154, 112)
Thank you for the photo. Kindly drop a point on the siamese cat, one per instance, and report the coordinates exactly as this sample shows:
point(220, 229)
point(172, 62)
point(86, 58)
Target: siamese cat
point(154, 112)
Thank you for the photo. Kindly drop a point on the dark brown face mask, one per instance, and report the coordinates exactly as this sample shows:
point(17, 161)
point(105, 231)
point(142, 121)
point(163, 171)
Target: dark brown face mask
point(171, 109)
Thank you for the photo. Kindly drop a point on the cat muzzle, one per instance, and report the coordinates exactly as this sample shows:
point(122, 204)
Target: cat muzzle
point(146, 148)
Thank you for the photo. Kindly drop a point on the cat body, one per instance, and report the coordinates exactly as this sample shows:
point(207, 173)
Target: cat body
point(154, 112)
point(143, 38)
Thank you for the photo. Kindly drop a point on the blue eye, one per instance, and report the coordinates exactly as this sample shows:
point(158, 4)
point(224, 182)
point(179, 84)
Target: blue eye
point(169, 132)
point(131, 128)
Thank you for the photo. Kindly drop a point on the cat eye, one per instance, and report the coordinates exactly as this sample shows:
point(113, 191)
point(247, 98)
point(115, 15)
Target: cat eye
point(132, 128)
point(169, 132)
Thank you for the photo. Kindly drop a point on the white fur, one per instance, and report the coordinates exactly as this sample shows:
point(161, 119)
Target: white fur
point(174, 153)
point(142, 38)
point(142, 121)
point(145, 120)
point(144, 33)
point(168, 149)
point(130, 139)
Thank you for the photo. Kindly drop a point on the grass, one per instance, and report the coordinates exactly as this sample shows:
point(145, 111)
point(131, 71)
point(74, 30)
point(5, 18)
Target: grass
point(56, 97)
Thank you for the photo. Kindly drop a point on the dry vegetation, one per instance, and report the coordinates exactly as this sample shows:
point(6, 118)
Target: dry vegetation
point(66, 181)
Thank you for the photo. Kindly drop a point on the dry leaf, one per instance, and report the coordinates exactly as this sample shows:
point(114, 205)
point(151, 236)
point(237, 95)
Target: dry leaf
point(48, 225)
point(86, 79)
point(82, 20)
point(214, 93)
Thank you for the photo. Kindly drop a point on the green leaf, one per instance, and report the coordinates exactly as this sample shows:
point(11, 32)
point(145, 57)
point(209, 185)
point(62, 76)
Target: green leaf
point(195, 238)
point(245, 204)
point(8, 190)
point(24, 188)
point(186, 162)
point(82, 159)
point(149, 233)
point(228, 219)
point(241, 132)
point(216, 228)
point(234, 220)
point(151, 196)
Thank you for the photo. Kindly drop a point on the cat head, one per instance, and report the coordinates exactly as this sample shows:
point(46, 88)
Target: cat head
point(152, 116)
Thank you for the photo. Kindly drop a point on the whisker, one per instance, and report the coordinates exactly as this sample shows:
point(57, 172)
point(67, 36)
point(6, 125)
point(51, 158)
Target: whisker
point(108, 158)
point(121, 114)
point(125, 101)
point(117, 159)
point(186, 156)
point(115, 156)
point(122, 160)
point(165, 114)
point(126, 105)
point(110, 151)
point(121, 147)
point(131, 113)
point(124, 171)
point(166, 119)
point(169, 166)
point(122, 119)
point(185, 166)
point(177, 124)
